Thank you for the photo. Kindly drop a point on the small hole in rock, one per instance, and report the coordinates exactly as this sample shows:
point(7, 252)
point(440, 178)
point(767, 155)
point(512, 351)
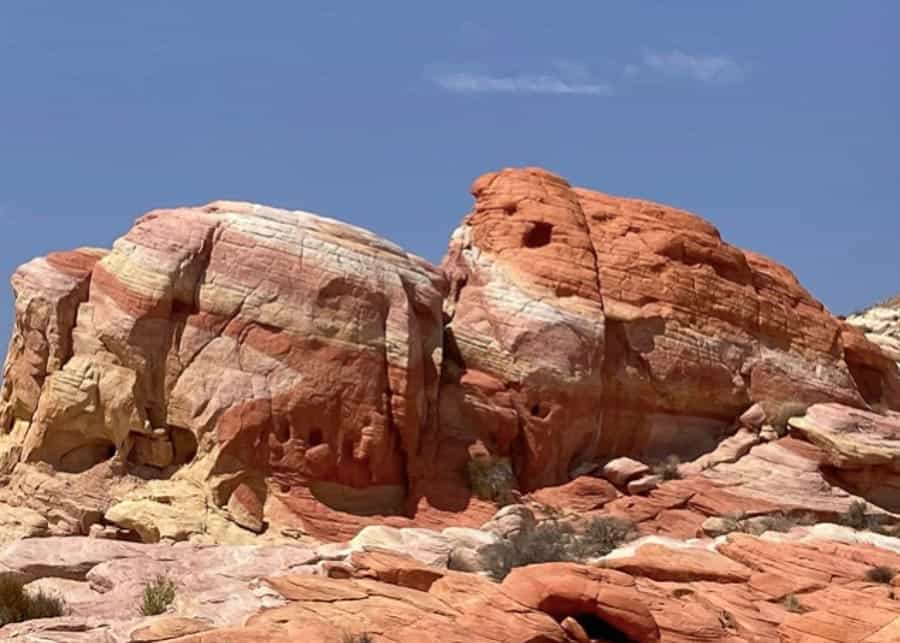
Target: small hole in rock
point(538, 236)
point(315, 437)
point(540, 411)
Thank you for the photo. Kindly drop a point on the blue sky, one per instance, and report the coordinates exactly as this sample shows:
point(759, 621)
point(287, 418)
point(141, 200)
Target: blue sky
point(778, 121)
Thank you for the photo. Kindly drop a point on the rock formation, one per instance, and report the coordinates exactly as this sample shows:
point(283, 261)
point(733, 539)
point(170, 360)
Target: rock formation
point(285, 411)
point(235, 372)
point(586, 325)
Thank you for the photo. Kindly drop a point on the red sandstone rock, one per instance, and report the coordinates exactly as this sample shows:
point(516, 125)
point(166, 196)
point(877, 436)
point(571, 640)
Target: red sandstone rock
point(287, 375)
point(694, 330)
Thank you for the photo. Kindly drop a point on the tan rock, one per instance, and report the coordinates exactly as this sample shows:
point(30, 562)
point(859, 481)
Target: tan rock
point(621, 471)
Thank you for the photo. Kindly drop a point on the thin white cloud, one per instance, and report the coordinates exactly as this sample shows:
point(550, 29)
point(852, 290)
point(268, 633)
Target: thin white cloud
point(705, 69)
point(467, 83)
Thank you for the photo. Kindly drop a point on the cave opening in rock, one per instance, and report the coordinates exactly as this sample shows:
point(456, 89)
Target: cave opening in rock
point(599, 630)
point(538, 236)
point(315, 437)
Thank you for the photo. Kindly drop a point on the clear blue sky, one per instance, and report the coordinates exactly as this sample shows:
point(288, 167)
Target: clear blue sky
point(778, 121)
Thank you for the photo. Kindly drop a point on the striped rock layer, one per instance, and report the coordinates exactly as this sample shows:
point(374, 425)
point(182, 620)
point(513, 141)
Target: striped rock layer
point(584, 324)
point(277, 360)
point(260, 346)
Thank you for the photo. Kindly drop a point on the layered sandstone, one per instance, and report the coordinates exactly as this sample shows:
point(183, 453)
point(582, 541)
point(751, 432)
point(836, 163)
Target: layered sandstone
point(660, 330)
point(238, 372)
point(242, 348)
point(808, 585)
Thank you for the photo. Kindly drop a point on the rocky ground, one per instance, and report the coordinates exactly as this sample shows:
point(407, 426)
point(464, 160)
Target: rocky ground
point(595, 421)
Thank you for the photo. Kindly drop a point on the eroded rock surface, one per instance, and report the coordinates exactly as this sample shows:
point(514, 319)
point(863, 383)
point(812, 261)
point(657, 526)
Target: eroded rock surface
point(247, 349)
point(554, 286)
point(237, 373)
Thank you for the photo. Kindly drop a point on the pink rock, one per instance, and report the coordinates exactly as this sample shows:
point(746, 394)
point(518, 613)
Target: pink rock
point(622, 470)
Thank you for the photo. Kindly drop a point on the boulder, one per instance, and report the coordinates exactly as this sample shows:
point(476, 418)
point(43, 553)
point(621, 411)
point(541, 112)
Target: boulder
point(428, 547)
point(644, 484)
point(621, 471)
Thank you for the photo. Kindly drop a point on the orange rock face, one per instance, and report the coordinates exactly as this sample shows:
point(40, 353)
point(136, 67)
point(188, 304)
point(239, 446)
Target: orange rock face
point(279, 372)
point(688, 330)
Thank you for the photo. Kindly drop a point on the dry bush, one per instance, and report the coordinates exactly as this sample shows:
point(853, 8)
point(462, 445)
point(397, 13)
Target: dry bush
point(17, 604)
point(880, 574)
point(667, 469)
point(158, 595)
point(492, 478)
point(792, 604)
point(362, 637)
point(555, 540)
point(856, 517)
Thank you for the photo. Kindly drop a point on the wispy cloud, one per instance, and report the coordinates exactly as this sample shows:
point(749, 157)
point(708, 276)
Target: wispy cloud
point(469, 83)
point(705, 69)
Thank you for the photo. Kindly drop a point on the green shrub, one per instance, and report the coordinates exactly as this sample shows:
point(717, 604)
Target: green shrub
point(792, 604)
point(667, 469)
point(158, 595)
point(17, 604)
point(880, 574)
point(492, 478)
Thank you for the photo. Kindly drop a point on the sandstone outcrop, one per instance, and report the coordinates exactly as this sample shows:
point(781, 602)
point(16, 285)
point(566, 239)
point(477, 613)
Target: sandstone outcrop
point(238, 373)
point(881, 325)
point(243, 348)
point(692, 331)
point(809, 585)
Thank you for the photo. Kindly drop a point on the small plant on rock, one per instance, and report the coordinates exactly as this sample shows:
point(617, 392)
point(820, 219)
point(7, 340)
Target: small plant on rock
point(492, 478)
point(158, 595)
point(880, 574)
point(792, 604)
point(17, 604)
point(667, 469)
point(779, 522)
point(601, 536)
point(856, 517)
point(362, 637)
point(557, 540)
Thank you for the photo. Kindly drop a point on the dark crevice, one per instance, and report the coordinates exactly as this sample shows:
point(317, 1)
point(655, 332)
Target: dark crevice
point(599, 630)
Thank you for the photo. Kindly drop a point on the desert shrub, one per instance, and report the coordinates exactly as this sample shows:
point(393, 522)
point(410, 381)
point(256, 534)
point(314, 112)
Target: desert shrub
point(777, 522)
point(792, 604)
point(17, 604)
point(667, 469)
point(856, 517)
point(880, 574)
point(757, 525)
point(601, 536)
point(554, 541)
point(158, 595)
point(362, 637)
point(548, 542)
point(492, 478)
